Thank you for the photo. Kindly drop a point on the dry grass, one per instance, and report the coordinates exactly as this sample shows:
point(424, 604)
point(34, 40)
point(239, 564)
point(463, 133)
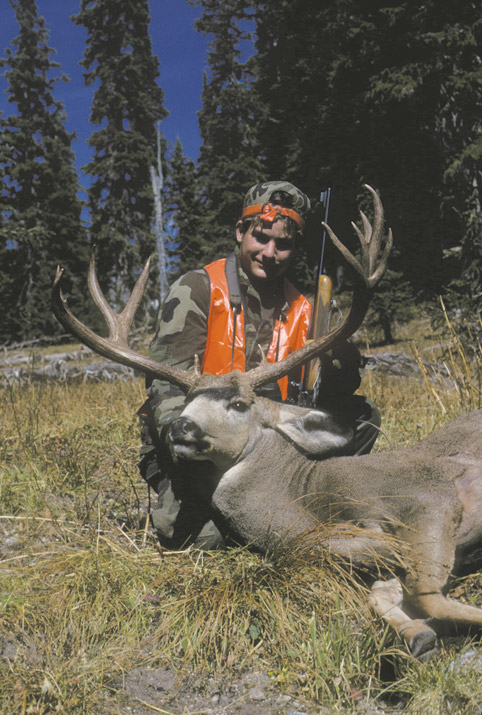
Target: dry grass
point(414, 408)
point(86, 595)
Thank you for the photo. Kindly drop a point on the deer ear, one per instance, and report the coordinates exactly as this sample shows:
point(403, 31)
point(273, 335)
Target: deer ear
point(315, 433)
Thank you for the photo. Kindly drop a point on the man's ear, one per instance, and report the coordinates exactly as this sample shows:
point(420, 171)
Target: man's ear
point(239, 234)
point(315, 433)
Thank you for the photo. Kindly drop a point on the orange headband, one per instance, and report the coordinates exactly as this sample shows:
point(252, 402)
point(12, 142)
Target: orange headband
point(268, 212)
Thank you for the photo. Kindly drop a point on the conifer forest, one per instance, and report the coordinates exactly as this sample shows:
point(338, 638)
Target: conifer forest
point(321, 94)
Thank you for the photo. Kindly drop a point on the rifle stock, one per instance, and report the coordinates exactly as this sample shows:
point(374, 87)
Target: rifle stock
point(321, 323)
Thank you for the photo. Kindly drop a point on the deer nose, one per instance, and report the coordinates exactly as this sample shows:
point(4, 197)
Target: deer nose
point(183, 427)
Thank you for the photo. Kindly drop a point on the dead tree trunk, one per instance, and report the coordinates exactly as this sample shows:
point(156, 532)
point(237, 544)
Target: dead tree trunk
point(157, 184)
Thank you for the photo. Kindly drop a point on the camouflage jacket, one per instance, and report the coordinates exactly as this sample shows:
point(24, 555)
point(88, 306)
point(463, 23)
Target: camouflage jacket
point(182, 332)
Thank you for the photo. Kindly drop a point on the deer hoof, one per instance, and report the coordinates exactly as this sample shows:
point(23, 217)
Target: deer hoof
point(428, 655)
point(423, 643)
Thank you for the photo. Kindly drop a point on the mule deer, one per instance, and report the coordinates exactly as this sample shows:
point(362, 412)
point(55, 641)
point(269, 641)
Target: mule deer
point(277, 482)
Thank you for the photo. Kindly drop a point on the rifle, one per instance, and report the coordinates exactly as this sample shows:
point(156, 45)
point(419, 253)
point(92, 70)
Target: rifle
point(320, 317)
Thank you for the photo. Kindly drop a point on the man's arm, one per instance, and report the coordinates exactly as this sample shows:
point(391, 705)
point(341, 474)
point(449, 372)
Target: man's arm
point(340, 371)
point(181, 334)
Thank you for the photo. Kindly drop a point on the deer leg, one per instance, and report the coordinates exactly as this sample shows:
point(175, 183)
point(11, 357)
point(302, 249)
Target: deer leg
point(443, 610)
point(386, 599)
point(369, 548)
point(432, 555)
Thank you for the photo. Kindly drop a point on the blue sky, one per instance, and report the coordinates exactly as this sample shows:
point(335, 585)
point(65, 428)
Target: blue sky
point(179, 48)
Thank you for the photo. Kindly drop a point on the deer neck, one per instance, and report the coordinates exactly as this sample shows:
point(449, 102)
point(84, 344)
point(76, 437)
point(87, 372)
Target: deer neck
point(252, 500)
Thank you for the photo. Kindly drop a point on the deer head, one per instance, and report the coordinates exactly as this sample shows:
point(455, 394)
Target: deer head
point(224, 418)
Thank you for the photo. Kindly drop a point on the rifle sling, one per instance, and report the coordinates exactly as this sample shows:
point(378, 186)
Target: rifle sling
point(235, 295)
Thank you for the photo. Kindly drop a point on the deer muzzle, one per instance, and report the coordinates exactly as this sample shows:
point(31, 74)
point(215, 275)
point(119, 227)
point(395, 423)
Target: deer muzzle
point(186, 439)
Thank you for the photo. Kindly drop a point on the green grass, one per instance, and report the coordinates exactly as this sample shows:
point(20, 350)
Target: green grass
point(86, 594)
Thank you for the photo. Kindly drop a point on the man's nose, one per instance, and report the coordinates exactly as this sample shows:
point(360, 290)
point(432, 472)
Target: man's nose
point(269, 249)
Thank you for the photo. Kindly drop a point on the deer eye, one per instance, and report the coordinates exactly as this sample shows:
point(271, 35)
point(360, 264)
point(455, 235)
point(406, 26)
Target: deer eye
point(239, 406)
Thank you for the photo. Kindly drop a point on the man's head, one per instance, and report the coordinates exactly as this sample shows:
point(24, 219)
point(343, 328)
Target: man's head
point(272, 219)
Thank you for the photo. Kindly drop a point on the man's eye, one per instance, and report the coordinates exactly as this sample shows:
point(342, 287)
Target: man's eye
point(284, 244)
point(261, 238)
point(239, 406)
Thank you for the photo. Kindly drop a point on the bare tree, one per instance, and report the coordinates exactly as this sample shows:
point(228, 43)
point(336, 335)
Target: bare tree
point(157, 180)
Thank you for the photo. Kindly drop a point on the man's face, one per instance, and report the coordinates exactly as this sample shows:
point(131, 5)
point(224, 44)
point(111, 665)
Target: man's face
point(266, 251)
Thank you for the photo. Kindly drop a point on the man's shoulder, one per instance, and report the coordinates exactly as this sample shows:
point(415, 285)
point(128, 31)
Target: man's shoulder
point(194, 277)
point(192, 285)
point(212, 264)
point(189, 293)
point(200, 277)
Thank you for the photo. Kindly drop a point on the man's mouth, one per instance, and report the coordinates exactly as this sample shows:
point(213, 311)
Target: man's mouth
point(264, 264)
point(271, 269)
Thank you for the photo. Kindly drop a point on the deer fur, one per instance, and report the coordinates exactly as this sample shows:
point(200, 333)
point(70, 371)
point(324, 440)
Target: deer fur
point(277, 482)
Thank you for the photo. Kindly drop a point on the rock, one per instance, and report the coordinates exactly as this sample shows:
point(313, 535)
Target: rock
point(257, 693)
point(403, 365)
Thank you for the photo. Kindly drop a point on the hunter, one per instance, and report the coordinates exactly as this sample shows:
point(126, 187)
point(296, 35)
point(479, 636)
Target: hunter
point(224, 313)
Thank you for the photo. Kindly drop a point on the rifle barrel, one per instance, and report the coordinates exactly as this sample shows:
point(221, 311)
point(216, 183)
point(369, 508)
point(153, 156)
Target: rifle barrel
point(325, 202)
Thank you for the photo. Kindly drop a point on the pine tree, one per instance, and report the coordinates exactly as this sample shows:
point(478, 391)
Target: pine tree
point(415, 92)
point(184, 213)
point(127, 105)
point(41, 213)
point(291, 77)
point(456, 41)
point(229, 163)
point(385, 94)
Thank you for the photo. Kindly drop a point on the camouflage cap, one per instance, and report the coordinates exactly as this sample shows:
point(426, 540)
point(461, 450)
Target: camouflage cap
point(272, 198)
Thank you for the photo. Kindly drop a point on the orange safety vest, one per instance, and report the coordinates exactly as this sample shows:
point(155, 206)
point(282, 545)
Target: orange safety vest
point(220, 357)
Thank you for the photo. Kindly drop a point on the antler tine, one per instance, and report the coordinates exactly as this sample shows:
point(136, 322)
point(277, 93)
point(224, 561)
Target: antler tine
point(117, 324)
point(376, 233)
point(370, 238)
point(263, 356)
point(130, 308)
point(378, 274)
point(99, 299)
point(347, 255)
point(111, 348)
point(368, 273)
point(364, 245)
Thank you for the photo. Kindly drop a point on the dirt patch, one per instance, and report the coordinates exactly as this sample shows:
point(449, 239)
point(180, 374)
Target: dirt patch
point(146, 690)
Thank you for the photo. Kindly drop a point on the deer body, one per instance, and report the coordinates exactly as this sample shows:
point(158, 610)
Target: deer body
point(428, 497)
point(277, 493)
point(299, 492)
point(270, 489)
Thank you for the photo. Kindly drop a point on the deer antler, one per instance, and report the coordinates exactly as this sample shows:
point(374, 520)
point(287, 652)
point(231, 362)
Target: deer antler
point(368, 274)
point(115, 347)
point(370, 241)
